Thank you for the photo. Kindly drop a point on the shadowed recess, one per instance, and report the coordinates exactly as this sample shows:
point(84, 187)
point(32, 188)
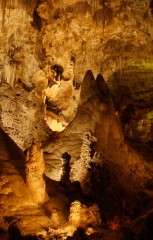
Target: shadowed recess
point(9, 150)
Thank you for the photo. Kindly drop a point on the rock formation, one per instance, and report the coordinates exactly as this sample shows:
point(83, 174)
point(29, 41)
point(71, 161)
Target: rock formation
point(34, 170)
point(76, 119)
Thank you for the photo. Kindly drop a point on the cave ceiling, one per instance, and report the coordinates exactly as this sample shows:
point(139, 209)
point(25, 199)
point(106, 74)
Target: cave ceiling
point(105, 37)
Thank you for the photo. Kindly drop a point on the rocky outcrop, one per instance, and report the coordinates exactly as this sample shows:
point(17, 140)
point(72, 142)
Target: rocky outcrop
point(80, 217)
point(96, 115)
point(22, 116)
point(13, 190)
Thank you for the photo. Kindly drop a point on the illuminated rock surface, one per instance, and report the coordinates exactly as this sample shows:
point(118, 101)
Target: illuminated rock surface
point(76, 126)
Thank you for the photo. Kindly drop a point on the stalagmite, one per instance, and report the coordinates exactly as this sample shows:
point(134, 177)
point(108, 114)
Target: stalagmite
point(34, 173)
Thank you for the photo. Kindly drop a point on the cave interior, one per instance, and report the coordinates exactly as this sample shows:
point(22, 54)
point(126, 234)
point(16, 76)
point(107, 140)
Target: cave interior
point(76, 119)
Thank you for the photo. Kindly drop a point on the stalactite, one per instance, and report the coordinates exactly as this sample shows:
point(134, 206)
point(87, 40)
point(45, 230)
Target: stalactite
point(12, 4)
point(101, 12)
point(8, 64)
point(3, 8)
point(120, 64)
point(9, 74)
point(94, 4)
point(103, 16)
point(82, 7)
point(28, 5)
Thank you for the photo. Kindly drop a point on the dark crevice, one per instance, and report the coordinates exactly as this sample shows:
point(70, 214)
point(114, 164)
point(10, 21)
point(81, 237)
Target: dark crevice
point(151, 6)
point(14, 152)
point(37, 22)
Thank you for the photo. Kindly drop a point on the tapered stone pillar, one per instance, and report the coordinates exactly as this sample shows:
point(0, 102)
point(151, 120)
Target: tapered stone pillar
point(34, 173)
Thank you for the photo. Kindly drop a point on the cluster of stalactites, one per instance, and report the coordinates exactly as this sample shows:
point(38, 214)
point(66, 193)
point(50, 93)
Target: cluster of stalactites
point(11, 4)
point(27, 5)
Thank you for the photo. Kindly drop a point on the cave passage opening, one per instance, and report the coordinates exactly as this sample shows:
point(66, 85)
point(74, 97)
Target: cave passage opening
point(132, 92)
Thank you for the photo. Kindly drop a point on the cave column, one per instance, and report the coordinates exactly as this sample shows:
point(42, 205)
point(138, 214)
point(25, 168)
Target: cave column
point(34, 173)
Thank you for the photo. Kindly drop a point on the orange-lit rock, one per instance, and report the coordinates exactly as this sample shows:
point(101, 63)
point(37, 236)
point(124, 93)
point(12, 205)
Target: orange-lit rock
point(34, 173)
point(76, 121)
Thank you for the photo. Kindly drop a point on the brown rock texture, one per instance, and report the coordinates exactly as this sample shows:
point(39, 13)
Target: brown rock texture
point(34, 173)
point(76, 119)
